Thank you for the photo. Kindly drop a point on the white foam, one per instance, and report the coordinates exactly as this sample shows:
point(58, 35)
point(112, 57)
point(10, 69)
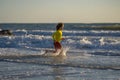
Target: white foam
point(102, 41)
point(85, 41)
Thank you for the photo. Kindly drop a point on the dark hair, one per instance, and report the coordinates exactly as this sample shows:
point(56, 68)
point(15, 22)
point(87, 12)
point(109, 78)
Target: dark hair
point(59, 25)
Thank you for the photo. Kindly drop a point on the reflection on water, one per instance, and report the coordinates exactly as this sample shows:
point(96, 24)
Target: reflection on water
point(58, 72)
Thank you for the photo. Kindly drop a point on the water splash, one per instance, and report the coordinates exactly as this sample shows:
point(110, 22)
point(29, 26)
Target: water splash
point(102, 41)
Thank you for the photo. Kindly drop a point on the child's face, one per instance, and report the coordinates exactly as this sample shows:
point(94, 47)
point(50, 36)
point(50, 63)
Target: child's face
point(61, 28)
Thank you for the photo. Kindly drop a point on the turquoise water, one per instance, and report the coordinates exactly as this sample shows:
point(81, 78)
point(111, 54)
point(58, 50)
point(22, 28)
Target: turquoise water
point(94, 52)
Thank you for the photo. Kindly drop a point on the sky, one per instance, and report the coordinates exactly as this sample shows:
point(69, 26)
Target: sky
point(52, 11)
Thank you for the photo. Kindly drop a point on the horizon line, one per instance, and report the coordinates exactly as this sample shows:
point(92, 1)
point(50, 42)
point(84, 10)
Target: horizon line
point(58, 22)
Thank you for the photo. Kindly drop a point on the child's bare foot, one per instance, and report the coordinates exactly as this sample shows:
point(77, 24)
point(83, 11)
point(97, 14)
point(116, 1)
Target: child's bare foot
point(46, 51)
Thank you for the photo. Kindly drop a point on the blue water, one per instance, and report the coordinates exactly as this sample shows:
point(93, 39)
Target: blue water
point(94, 52)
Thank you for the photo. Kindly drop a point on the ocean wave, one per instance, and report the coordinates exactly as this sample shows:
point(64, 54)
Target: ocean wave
point(58, 61)
point(94, 48)
point(67, 32)
point(77, 42)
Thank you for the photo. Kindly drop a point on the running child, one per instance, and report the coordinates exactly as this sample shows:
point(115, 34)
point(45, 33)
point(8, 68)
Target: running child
point(57, 37)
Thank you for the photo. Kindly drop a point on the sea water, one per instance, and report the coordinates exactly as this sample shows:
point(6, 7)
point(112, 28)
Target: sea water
point(93, 54)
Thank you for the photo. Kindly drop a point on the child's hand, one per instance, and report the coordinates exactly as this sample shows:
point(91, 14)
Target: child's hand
point(63, 38)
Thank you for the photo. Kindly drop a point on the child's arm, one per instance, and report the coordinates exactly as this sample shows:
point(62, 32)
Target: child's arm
point(53, 36)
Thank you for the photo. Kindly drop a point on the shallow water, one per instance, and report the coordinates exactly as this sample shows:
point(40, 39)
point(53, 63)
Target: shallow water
point(94, 53)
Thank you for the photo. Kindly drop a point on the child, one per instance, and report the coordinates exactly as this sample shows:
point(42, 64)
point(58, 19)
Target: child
point(57, 36)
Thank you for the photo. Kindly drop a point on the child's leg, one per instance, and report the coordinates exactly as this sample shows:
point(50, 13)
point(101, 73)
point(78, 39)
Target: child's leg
point(57, 46)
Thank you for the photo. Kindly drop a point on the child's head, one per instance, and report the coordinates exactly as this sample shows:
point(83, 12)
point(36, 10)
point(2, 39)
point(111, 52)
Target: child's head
point(59, 26)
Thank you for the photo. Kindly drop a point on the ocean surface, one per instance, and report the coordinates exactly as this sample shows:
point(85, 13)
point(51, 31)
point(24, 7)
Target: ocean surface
point(94, 52)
